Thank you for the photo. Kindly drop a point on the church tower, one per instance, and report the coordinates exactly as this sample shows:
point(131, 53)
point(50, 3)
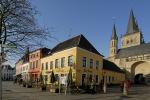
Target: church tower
point(113, 43)
point(133, 35)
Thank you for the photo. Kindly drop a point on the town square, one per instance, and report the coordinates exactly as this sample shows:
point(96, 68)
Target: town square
point(74, 50)
point(15, 92)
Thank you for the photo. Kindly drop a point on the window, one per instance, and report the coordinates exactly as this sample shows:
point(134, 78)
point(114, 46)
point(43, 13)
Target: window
point(51, 65)
point(97, 64)
point(33, 65)
point(62, 75)
point(109, 79)
point(91, 63)
point(37, 54)
point(56, 77)
point(46, 65)
point(70, 61)
point(114, 51)
point(42, 66)
point(46, 77)
point(83, 79)
point(30, 65)
point(36, 63)
point(84, 62)
point(62, 62)
point(96, 79)
point(56, 63)
point(27, 68)
point(127, 42)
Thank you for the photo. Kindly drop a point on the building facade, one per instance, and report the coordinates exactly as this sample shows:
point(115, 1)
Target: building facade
point(24, 71)
point(8, 73)
point(112, 74)
point(35, 63)
point(134, 54)
point(18, 66)
point(79, 55)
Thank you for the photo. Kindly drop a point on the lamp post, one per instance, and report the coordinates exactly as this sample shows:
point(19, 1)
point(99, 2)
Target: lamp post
point(104, 83)
point(2, 60)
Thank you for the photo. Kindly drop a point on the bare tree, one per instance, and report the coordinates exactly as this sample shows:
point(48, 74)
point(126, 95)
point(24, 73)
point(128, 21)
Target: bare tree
point(18, 26)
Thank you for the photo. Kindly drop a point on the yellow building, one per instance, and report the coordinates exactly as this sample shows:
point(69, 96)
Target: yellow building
point(78, 54)
point(112, 74)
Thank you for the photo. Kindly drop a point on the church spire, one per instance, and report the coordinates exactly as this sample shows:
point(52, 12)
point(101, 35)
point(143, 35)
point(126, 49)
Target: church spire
point(114, 35)
point(132, 24)
point(113, 43)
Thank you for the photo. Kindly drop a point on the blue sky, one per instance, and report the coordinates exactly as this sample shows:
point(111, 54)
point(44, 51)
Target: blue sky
point(93, 18)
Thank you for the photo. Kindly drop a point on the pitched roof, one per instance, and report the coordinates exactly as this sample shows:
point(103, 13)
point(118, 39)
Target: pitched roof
point(132, 24)
point(78, 41)
point(108, 65)
point(134, 51)
point(7, 67)
point(114, 35)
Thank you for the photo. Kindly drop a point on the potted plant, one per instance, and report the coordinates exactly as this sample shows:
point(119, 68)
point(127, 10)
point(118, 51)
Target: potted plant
point(43, 85)
point(69, 81)
point(24, 84)
point(29, 83)
point(52, 80)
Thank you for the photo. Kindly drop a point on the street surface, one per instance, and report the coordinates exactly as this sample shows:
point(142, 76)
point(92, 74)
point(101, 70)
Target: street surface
point(16, 92)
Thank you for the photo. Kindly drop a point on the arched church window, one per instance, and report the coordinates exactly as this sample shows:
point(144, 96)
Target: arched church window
point(114, 51)
point(127, 41)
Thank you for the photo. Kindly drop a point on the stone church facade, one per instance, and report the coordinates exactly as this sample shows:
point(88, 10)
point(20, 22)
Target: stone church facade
point(134, 54)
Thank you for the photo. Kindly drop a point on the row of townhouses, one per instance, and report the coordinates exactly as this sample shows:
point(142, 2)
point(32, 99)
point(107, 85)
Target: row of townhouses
point(78, 54)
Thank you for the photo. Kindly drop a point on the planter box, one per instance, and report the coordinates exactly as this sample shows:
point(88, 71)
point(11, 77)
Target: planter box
point(52, 90)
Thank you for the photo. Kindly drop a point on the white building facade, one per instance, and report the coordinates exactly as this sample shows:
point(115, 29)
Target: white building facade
point(7, 73)
point(24, 71)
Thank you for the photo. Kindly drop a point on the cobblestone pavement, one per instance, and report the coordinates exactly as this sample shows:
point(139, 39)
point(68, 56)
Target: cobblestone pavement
point(16, 92)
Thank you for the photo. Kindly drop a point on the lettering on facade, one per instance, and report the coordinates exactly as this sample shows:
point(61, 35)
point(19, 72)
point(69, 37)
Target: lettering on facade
point(137, 58)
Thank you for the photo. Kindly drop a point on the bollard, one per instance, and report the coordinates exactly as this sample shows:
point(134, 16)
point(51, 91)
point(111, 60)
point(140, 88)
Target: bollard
point(104, 88)
point(125, 89)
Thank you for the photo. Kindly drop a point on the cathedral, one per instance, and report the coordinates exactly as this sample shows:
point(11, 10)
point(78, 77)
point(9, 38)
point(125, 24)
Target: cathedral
point(134, 54)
